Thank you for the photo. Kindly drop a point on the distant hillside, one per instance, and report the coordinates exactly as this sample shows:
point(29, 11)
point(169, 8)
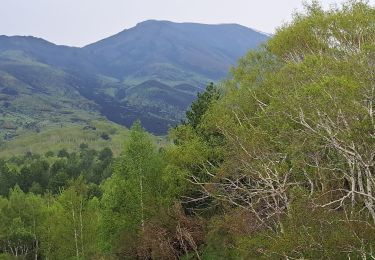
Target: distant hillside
point(172, 52)
point(151, 72)
point(34, 95)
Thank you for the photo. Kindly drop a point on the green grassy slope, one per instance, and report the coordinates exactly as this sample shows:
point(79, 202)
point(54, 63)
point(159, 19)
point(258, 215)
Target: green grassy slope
point(70, 136)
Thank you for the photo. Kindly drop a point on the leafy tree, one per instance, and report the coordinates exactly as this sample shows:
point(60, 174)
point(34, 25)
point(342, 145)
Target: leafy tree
point(201, 105)
point(134, 193)
point(7, 178)
point(73, 233)
point(296, 113)
point(63, 153)
point(21, 220)
point(49, 154)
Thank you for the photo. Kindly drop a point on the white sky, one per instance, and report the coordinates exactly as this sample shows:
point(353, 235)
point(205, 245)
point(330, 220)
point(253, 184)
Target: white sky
point(80, 22)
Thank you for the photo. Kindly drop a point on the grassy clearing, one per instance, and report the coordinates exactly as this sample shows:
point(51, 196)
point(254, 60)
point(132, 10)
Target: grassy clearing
point(70, 136)
point(55, 137)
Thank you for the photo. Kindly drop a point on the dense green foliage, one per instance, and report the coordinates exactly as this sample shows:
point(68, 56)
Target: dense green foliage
point(51, 173)
point(276, 163)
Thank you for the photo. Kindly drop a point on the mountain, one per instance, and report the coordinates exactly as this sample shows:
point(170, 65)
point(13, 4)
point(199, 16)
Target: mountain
point(150, 72)
point(171, 52)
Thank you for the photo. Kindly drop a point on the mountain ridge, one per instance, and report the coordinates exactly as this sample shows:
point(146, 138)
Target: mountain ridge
point(139, 23)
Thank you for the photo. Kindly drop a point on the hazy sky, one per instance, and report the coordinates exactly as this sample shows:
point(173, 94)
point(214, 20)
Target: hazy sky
point(79, 22)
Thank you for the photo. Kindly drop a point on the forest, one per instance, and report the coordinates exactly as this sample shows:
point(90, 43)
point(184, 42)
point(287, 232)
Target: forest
point(275, 162)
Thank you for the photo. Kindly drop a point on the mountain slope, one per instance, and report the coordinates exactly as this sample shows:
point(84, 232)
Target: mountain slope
point(34, 96)
point(151, 72)
point(45, 52)
point(170, 52)
point(158, 62)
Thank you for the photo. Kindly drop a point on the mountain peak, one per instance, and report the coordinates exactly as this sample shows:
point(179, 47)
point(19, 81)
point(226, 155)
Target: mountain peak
point(154, 21)
point(182, 24)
